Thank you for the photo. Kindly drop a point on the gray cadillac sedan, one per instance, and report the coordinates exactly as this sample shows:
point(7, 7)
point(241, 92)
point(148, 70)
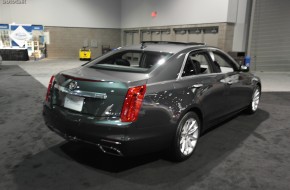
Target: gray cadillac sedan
point(149, 97)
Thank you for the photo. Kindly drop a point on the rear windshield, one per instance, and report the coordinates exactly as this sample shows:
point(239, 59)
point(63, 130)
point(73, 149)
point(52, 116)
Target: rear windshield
point(130, 61)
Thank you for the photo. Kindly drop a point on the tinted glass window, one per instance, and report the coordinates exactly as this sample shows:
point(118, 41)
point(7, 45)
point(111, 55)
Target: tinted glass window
point(196, 64)
point(131, 61)
point(222, 63)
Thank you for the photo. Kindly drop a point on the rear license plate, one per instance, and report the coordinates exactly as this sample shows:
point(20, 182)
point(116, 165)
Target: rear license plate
point(74, 102)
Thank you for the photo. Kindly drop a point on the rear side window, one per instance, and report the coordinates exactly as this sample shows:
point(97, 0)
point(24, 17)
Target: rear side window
point(197, 63)
point(131, 61)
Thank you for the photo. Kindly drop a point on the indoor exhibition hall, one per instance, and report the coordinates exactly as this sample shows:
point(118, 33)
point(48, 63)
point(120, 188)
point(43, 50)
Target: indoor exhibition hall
point(144, 94)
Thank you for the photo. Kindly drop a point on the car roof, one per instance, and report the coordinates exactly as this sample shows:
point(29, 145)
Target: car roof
point(171, 47)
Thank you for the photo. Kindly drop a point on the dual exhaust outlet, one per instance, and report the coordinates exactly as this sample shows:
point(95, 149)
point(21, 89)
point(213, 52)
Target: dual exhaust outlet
point(105, 149)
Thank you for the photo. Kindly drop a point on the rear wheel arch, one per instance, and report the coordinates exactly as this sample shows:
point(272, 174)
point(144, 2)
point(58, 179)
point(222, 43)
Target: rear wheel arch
point(198, 112)
point(259, 85)
point(194, 109)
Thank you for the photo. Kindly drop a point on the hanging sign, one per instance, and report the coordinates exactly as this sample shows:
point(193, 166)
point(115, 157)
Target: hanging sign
point(37, 27)
point(20, 34)
point(4, 26)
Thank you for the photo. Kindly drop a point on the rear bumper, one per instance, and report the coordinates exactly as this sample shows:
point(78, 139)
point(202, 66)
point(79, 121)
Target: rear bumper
point(111, 136)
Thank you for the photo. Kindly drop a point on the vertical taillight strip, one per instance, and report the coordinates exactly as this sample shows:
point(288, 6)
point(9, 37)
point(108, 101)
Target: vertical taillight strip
point(49, 87)
point(133, 103)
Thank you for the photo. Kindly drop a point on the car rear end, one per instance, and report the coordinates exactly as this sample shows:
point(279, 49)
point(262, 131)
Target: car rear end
point(100, 104)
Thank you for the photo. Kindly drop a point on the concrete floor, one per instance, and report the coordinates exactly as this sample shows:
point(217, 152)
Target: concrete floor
point(43, 69)
point(247, 152)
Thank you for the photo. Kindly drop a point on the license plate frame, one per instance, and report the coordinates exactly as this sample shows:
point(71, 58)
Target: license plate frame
point(74, 102)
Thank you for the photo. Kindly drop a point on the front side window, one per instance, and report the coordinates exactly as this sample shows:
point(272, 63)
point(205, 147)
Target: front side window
point(196, 64)
point(131, 61)
point(222, 63)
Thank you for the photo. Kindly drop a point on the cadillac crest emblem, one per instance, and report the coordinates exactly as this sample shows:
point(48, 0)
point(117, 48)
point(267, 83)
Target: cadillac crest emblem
point(72, 85)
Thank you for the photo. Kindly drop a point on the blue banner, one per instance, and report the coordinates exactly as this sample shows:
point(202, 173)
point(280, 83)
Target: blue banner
point(4, 26)
point(28, 28)
point(37, 27)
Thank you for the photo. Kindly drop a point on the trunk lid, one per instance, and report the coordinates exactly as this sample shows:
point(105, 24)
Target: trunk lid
point(99, 93)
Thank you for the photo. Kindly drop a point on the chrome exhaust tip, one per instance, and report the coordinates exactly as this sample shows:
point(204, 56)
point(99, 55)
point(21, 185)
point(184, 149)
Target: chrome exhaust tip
point(110, 150)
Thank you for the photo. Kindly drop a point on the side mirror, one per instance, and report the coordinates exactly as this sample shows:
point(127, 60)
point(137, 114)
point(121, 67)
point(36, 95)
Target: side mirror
point(244, 68)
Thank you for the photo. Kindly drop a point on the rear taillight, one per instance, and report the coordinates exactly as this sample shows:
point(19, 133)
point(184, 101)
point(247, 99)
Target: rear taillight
point(132, 104)
point(49, 88)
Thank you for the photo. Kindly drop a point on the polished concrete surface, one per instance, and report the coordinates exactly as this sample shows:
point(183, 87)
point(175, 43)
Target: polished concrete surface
point(246, 152)
point(43, 69)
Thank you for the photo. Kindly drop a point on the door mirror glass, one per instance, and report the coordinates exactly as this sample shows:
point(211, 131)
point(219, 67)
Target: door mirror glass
point(244, 68)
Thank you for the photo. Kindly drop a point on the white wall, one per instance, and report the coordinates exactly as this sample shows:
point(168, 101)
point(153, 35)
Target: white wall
point(137, 13)
point(232, 10)
point(69, 13)
point(242, 25)
point(131, 13)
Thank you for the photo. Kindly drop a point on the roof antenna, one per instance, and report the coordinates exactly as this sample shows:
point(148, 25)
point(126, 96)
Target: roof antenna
point(143, 45)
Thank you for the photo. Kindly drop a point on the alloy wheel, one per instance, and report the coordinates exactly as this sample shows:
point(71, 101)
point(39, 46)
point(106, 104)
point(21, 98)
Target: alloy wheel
point(188, 136)
point(256, 99)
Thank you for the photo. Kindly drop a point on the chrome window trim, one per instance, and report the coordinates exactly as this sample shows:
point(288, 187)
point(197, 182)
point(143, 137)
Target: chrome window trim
point(81, 93)
point(195, 76)
point(183, 65)
point(211, 55)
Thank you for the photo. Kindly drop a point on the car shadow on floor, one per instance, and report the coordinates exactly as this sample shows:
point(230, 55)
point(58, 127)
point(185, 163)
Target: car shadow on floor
point(75, 166)
point(91, 156)
point(220, 139)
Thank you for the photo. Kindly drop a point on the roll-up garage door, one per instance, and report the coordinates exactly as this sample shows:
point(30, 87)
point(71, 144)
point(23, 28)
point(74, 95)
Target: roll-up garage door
point(136, 38)
point(270, 41)
point(132, 37)
point(128, 38)
point(195, 36)
point(165, 36)
point(156, 36)
point(181, 36)
point(211, 37)
point(146, 36)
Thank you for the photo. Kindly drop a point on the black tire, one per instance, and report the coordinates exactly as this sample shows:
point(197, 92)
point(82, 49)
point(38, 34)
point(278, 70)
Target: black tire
point(253, 106)
point(178, 151)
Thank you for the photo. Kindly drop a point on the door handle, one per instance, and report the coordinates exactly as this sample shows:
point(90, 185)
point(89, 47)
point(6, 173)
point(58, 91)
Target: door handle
point(197, 85)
